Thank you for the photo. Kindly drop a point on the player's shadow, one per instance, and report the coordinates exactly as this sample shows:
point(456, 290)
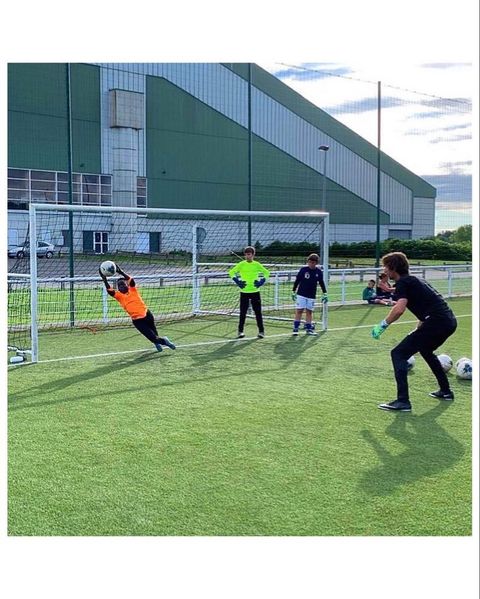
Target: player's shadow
point(59, 384)
point(345, 341)
point(223, 351)
point(428, 450)
point(293, 347)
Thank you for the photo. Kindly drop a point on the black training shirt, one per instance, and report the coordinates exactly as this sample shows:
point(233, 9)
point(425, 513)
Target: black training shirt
point(423, 300)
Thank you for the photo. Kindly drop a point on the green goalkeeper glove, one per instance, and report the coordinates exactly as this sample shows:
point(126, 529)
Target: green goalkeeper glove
point(294, 296)
point(378, 329)
point(324, 299)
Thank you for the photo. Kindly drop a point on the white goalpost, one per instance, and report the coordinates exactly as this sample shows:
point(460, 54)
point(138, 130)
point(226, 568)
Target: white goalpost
point(179, 258)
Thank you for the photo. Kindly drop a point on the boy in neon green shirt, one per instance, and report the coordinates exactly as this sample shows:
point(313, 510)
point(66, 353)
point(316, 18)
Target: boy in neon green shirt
point(249, 275)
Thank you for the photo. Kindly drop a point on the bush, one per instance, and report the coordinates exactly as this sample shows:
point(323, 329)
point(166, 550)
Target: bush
point(284, 248)
point(431, 249)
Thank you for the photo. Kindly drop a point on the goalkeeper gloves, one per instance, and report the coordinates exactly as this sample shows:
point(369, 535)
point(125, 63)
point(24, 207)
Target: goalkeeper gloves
point(294, 296)
point(378, 329)
point(324, 298)
point(258, 283)
point(238, 282)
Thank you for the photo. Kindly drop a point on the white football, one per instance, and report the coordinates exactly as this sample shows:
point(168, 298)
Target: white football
point(464, 369)
point(460, 360)
point(108, 268)
point(411, 362)
point(445, 361)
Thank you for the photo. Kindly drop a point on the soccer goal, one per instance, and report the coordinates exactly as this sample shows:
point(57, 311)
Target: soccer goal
point(180, 261)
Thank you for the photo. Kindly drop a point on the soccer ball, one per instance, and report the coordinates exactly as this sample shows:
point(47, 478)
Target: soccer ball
point(460, 360)
point(445, 361)
point(108, 268)
point(464, 369)
point(411, 362)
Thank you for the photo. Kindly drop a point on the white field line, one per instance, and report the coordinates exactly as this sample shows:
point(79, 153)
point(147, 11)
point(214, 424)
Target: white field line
point(206, 343)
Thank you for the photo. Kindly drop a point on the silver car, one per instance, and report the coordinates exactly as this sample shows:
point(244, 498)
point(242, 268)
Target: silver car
point(44, 250)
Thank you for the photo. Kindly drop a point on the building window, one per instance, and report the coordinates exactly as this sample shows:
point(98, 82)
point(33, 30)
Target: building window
point(105, 190)
point(43, 186)
point(51, 186)
point(141, 192)
point(18, 188)
point(399, 234)
point(91, 190)
point(100, 242)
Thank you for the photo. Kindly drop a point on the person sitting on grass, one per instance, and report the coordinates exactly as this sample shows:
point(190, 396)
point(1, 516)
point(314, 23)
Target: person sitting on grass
point(371, 297)
point(131, 301)
point(383, 288)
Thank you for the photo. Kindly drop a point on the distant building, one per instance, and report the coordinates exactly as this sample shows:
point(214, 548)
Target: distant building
point(182, 136)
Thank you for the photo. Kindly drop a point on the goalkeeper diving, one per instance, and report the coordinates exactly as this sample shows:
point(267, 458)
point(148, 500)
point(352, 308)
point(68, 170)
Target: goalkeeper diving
point(249, 275)
point(131, 301)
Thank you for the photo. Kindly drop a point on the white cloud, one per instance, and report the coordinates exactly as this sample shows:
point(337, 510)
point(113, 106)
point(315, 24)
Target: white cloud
point(426, 119)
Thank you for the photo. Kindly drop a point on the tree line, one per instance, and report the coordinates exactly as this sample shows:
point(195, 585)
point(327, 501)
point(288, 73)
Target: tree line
point(447, 245)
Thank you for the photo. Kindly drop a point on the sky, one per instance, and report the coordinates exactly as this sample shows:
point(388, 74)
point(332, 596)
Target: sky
point(426, 118)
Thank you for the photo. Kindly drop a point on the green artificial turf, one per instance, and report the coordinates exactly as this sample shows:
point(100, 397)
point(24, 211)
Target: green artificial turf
point(279, 436)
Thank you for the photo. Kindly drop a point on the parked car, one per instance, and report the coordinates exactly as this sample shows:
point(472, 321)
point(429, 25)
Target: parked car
point(44, 250)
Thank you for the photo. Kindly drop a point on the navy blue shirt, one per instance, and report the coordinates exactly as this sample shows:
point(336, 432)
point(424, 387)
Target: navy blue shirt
point(306, 281)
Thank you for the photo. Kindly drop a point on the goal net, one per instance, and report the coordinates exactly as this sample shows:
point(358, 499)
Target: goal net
point(59, 307)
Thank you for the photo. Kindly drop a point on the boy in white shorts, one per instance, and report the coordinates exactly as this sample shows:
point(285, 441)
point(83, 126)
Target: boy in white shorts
point(306, 285)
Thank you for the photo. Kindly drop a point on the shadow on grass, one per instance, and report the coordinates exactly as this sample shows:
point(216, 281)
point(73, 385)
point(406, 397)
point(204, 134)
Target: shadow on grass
point(292, 347)
point(222, 351)
point(175, 375)
point(59, 384)
point(344, 341)
point(429, 449)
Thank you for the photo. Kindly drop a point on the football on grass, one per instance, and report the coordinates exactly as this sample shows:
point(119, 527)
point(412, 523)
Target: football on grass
point(464, 369)
point(411, 362)
point(445, 361)
point(108, 268)
point(460, 360)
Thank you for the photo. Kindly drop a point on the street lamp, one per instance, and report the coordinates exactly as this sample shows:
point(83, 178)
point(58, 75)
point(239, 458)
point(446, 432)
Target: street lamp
point(324, 149)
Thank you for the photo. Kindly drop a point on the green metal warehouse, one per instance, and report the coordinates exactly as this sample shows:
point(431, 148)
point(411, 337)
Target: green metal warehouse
point(203, 136)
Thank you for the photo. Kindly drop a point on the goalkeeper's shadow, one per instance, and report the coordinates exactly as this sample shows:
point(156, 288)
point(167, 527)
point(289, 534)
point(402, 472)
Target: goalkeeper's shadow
point(293, 347)
point(77, 379)
point(428, 450)
point(223, 351)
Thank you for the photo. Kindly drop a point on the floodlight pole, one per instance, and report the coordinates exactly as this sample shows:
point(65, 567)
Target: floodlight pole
point(325, 230)
point(324, 149)
point(379, 130)
point(249, 102)
point(70, 192)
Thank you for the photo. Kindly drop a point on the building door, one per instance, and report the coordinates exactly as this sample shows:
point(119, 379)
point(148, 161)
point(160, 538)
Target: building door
point(155, 242)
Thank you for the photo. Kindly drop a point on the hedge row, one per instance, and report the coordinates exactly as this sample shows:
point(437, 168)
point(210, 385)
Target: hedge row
point(413, 248)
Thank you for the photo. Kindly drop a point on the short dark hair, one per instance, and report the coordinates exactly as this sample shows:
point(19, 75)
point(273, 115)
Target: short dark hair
point(314, 257)
point(396, 261)
point(372, 281)
point(249, 250)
